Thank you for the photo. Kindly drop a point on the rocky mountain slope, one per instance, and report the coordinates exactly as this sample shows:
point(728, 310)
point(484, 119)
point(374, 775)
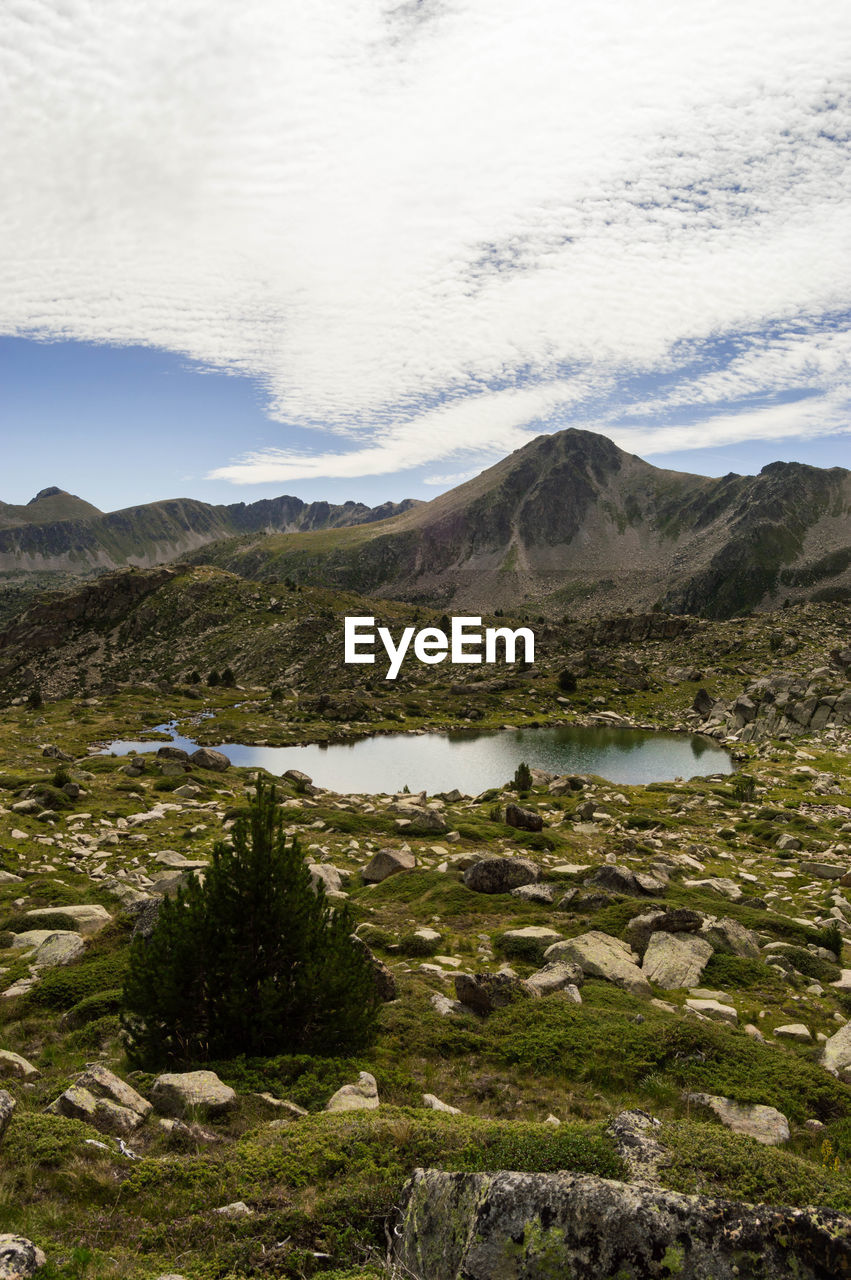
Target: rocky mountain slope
point(57, 531)
point(634, 998)
point(572, 523)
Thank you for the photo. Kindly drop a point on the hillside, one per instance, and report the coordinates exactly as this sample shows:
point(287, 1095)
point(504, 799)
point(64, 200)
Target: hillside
point(58, 532)
point(643, 1003)
point(572, 523)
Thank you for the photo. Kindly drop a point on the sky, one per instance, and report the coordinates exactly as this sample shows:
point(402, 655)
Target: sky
point(356, 249)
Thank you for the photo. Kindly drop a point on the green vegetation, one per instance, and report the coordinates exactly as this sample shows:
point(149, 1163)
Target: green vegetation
point(252, 960)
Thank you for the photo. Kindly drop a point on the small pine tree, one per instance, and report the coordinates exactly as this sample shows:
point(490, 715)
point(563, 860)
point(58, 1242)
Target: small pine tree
point(228, 678)
point(213, 677)
point(522, 777)
point(35, 701)
point(251, 961)
point(567, 681)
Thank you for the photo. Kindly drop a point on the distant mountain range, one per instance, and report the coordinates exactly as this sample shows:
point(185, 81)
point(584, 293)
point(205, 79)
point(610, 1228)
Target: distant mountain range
point(570, 523)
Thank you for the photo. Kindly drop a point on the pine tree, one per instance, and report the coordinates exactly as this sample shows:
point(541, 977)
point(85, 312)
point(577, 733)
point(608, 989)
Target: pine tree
point(251, 961)
point(522, 777)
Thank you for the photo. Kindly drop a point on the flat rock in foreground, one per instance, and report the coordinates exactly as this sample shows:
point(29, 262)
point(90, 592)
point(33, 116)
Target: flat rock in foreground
point(522, 1226)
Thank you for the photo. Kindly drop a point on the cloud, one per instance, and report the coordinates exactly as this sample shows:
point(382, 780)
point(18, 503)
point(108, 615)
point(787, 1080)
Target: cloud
point(404, 218)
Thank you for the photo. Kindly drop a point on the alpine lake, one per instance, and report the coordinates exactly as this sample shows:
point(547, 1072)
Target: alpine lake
point(471, 761)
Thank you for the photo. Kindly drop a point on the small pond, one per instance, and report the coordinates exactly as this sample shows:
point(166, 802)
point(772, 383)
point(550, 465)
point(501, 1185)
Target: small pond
point(474, 761)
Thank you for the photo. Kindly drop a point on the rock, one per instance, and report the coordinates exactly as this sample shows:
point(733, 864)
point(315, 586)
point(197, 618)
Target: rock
point(329, 877)
point(542, 893)
point(89, 918)
point(536, 937)
point(713, 1009)
point(19, 1258)
point(836, 1054)
point(420, 821)
point(444, 1005)
point(673, 920)
point(7, 1107)
point(239, 1209)
point(103, 1083)
point(523, 819)
point(729, 936)
point(299, 779)
point(794, 1031)
point(385, 981)
point(59, 948)
point(8, 877)
point(674, 960)
point(362, 1096)
point(633, 1134)
point(766, 1124)
point(558, 975)
point(565, 783)
point(79, 1103)
point(500, 875)
point(206, 758)
point(176, 1094)
point(387, 862)
point(601, 956)
point(527, 1226)
point(13, 1065)
point(484, 992)
point(719, 884)
point(434, 1103)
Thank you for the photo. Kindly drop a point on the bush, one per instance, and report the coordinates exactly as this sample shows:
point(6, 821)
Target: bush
point(253, 961)
point(522, 777)
point(744, 786)
point(567, 681)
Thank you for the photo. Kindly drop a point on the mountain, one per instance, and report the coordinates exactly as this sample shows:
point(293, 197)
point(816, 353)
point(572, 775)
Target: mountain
point(47, 507)
point(57, 531)
point(571, 523)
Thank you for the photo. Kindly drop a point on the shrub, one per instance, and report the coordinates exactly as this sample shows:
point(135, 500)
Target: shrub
point(744, 786)
point(567, 681)
point(522, 777)
point(253, 961)
point(228, 678)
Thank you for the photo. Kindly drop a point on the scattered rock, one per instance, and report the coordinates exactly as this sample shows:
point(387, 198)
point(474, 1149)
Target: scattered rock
point(429, 1100)
point(19, 1258)
point(89, 918)
point(601, 956)
point(766, 1124)
point(206, 758)
point(836, 1055)
point(558, 975)
point(12, 1064)
point(239, 1209)
point(387, 862)
point(500, 875)
point(523, 819)
point(484, 992)
point(674, 960)
point(177, 1093)
point(362, 1096)
point(7, 1107)
point(713, 1009)
point(794, 1031)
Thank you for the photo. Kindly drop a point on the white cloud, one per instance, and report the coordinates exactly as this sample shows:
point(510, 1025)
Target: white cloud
point(371, 207)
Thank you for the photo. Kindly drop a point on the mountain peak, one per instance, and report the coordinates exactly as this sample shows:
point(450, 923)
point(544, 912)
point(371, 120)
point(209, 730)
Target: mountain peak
point(51, 492)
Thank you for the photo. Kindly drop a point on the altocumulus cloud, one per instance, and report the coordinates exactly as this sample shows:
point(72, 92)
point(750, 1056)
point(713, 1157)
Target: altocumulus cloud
point(434, 227)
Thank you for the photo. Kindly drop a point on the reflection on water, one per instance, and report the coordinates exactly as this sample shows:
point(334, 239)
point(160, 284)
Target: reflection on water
point(473, 761)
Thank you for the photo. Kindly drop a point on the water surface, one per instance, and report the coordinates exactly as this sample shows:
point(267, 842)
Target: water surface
point(473, 761)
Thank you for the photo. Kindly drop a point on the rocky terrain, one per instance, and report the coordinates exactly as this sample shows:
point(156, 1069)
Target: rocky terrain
point(602, 1003)
point(571, 523)
point(61, 533)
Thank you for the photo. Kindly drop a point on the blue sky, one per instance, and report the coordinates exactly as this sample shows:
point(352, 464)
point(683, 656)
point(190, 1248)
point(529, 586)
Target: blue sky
point(364, 249)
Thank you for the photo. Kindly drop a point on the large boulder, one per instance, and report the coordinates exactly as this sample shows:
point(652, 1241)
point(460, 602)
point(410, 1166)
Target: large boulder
point(206, 758)
point(362, 1096)
point(558, 975)
point(387, 862)
point(181, 1093)
point(89, 917)
point(12, 1064)
point(386, 986)
point(730, 936)
point(599, 955)
point(674, 960)
point(19, 1258)
point(670, 920)
point(500, 875)
point(523, 819)
point(768, 1125)
point(79, 1103)
point(836, 1054)
point(533, 1226)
